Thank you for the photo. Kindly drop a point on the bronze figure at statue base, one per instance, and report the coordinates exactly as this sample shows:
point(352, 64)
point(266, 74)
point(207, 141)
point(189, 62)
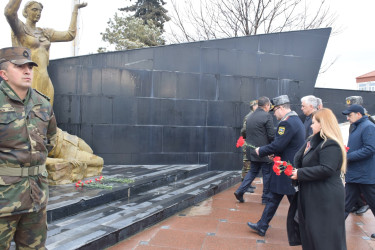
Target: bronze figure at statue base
point(71, 158)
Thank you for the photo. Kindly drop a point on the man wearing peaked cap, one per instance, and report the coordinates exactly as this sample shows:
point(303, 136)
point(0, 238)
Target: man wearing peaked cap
point(361, 205)
point(360, 173)
point(28, 128)
point(277, 101)
point(350, 100)
point(289, 137)
point(16, 55)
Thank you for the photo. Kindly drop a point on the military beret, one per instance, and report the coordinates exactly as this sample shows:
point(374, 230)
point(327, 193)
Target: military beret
point(280, 100)
point(253, 102)
point(354, 100)
point(16, 55)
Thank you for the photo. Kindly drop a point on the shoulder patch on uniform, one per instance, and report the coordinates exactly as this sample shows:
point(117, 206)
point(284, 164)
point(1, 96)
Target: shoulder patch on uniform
point(281, 130)
point(48, 99)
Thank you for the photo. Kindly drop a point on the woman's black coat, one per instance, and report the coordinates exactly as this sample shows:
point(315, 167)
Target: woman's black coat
point(321, 198)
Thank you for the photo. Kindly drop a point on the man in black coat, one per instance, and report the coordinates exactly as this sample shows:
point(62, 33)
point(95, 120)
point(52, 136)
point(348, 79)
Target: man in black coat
point(259, 132)
point(290, 136)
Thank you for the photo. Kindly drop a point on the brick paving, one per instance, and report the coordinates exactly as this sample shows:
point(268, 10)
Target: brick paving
point(219, 223)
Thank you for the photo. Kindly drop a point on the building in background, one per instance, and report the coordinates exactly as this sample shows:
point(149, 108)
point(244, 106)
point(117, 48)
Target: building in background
point(366, 81)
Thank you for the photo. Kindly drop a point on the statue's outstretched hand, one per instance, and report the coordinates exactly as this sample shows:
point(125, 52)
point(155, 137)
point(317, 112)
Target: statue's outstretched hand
point(80, 5)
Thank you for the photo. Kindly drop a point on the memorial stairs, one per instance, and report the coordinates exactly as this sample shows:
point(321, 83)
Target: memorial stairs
point(96, 218)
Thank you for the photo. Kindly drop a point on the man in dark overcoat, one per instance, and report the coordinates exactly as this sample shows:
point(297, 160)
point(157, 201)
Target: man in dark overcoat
point(360, 173)
point(360, 206)
point(290, 136)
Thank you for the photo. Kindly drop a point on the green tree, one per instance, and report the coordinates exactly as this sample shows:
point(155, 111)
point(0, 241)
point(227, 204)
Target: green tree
point(149, 10)
point(131, 33)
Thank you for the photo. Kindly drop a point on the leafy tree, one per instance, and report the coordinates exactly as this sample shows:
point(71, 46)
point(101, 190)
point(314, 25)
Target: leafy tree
point(131, 33)
point(149, 10)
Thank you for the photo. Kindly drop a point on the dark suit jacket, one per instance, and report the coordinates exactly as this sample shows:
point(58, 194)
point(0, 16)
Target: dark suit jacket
point(260, 131)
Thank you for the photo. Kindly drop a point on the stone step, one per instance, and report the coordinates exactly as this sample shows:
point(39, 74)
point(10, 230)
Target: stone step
point(107, 224)
point(67, 200)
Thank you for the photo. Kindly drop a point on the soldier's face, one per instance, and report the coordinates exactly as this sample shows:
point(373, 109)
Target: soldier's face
point(19, 77)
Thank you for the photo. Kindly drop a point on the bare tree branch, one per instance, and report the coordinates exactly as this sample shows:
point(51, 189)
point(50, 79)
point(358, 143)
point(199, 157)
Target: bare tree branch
point(212, 19)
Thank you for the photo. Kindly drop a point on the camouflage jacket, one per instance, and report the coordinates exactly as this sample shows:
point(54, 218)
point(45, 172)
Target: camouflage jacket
point(27, 133)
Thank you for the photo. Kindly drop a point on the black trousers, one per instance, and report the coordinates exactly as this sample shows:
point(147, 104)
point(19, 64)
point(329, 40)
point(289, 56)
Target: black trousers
point(270, 209)
point(353, 191)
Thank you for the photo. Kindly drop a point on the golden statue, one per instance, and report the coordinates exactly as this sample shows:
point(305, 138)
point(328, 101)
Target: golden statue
point(38, 40)
point(71, 159)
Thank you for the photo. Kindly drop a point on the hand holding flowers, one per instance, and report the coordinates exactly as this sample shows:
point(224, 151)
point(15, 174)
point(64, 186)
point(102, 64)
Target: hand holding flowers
point(280, 166)
point(294, 175)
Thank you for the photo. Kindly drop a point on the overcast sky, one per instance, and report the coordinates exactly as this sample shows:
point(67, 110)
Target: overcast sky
point(354, 47)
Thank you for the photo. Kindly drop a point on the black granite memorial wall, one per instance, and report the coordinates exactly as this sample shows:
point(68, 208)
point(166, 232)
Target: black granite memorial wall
point(335, 100)
point(182, 103)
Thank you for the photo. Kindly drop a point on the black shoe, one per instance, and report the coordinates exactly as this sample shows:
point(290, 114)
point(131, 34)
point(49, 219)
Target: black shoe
point(253, 187)
point(239, 197)
point(250, 190)
point(373, 236)
point(362, 210)
point(256, 228)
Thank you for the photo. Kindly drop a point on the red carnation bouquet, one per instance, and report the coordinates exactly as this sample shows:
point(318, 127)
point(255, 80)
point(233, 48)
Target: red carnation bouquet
point(280, 166)
point(241, 142)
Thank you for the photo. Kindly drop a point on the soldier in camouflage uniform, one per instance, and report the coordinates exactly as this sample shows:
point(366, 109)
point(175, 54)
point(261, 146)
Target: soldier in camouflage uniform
point(246, 162)
point(28, 128)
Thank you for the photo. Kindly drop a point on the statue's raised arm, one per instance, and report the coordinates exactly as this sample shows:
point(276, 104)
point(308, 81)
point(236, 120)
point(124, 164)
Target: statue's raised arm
point(70, 34)
point(10, 13)
point(38, 40)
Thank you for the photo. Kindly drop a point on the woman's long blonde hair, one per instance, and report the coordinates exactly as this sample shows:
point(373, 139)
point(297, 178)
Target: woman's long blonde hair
point(331, 130)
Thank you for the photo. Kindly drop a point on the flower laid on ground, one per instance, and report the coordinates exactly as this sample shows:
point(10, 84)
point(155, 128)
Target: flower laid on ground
point(280, 166)
point(100, 182)
point(241, 142)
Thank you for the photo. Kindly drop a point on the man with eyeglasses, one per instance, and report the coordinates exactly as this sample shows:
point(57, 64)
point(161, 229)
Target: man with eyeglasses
point(289, 138)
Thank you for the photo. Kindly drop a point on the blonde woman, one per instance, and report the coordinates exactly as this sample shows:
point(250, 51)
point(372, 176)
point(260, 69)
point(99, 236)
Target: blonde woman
point(316, 217)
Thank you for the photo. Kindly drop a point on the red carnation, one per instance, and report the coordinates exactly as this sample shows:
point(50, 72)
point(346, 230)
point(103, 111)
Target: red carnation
point(240, 142)
point(276, 158)
point(288, 170)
